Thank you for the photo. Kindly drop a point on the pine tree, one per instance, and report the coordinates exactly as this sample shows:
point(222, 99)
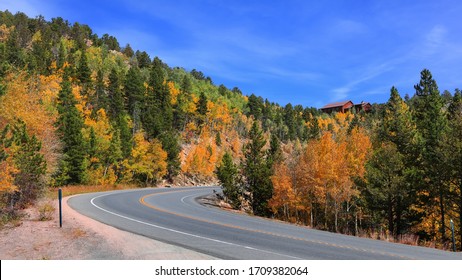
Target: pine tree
point(157, 117)
point(101, 100)
point(201, 109)
point(202, 105)
point(274, 153)
point(257, 173)
point(385, 192)
point(158, 113)
point(452, 147)
point(397, 134)
point(218, 139)
point(289, 120)
point(128, 51)
point(2, 87)
point(143, 59)
point(397, 125)
point(455, 106)
point(125, 135)
point(13, 51)
point(186, 86)
point(228, 174)
point(431, 123)
point(3, 67)
point(170, 145)
point(118, 114)
point(92, 144)
point(70, 124)
point(314, 132)
point(134, 92)
point(30, 163)
point(4, 142)
point(115, 152)
point(83, 71)
point(61, 55)
point(116, 98)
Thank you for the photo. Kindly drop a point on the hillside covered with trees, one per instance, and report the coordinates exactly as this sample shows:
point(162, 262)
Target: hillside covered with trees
point(79, 109)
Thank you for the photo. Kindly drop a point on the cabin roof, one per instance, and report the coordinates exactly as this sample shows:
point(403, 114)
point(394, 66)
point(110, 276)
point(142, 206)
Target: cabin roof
point(337, 104)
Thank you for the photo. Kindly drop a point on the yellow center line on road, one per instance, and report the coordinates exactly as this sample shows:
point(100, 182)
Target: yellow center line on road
point(144, 203)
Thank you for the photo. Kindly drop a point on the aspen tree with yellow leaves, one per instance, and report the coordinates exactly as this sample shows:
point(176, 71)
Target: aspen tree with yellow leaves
point(148, 162)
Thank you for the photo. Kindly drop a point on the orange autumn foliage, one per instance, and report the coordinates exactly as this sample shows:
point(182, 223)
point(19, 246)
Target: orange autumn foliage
point(359, 146)
point(218, 115)
point(321, 175)
point(203, 157)
point(28, 100)
point(7, 170)
point(284, 197)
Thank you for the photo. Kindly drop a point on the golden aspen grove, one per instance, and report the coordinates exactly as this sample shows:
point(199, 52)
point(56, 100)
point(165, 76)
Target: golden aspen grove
point(79, 109)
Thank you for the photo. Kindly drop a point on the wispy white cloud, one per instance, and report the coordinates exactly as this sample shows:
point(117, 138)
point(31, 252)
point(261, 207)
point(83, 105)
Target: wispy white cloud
point(32, 8)
point(293, 74)
point(434, 41)
point(340, 93)
point(29, 7)
point(363, 74)
point(246, 42)
point(437, 46)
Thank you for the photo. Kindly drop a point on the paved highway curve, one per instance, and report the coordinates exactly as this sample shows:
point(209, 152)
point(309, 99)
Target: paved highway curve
point(174, 216)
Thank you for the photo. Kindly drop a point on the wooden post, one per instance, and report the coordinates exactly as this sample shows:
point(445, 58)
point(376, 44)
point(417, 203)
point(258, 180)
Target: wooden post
point(60, 198)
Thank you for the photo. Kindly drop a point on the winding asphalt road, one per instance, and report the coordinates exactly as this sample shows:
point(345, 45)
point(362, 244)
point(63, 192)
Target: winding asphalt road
point(174, 216)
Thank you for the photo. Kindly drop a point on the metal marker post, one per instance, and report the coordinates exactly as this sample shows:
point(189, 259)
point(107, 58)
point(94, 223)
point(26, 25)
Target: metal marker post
point(453, 239)
point(60, 197)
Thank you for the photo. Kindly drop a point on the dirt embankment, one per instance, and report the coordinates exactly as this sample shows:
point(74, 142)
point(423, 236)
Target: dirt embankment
point(80, 238)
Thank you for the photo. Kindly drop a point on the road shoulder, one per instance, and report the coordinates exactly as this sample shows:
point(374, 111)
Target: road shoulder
point(81, 238)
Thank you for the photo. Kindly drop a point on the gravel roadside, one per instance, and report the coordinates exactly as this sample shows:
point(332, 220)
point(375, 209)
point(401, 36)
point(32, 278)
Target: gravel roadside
point(81, 238)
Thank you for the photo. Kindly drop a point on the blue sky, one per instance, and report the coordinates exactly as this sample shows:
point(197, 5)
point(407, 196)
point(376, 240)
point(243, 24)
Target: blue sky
point(302, 52)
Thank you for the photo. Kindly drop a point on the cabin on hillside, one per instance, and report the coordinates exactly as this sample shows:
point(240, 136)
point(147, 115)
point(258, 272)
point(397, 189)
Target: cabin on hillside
point(338, 107)
point(345, 106)
point(363, 106)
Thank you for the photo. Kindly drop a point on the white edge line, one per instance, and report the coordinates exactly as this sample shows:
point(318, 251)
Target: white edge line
point(185, 233)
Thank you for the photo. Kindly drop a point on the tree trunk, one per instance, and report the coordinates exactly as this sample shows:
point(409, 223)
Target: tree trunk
point(398, 217)
point(311, 215)
point(325, 215)
point(336, 216)
point(356, 223)
point(443, 222)
point(391, 225)
point(325, 208)
point(347, 219)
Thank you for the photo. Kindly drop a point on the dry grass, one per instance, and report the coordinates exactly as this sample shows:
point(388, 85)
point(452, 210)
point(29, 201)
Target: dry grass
point(408, 239)
point(76, 233)
point(46, 211)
